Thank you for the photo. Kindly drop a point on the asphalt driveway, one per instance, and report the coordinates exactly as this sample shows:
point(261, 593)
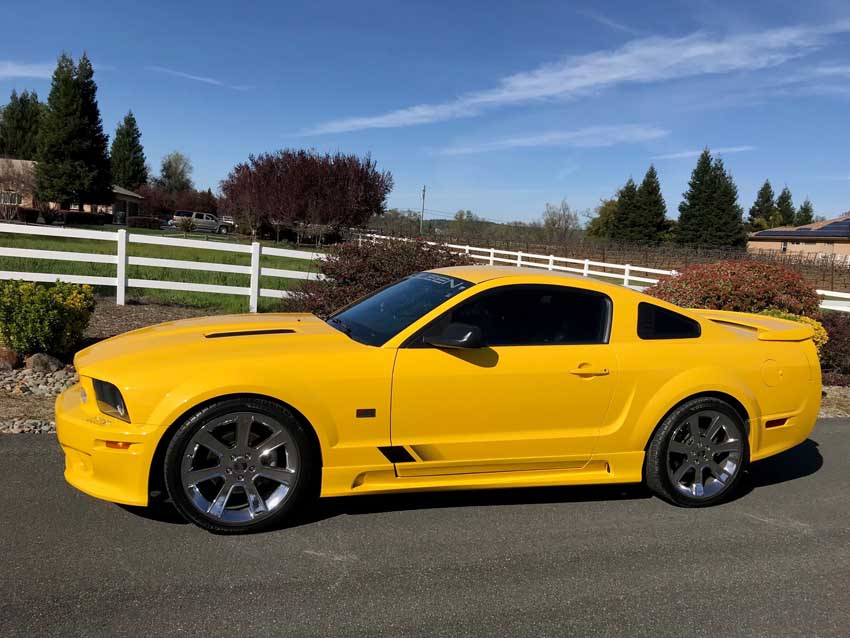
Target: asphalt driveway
point(541, 562)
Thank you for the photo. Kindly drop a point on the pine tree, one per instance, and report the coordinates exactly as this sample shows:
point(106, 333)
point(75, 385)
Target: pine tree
point(725, 227)
point(709, 214)
point(694, 211)
point(805, 214)
point(626, 222)
point(785, 208)
point(99, 187)
point(127, 156)
point(763, 209)
point(60, 140)
point(20, 120)
point(651, 207)
point(73, 166)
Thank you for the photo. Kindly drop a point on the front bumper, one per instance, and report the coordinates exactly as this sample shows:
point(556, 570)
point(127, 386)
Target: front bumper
point(104, 457)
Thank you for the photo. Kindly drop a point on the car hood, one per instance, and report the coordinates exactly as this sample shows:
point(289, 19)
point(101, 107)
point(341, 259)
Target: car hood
point(192, 342)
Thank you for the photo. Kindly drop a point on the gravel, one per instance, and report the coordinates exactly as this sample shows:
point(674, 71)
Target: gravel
point(27, 426)
point(23, 381)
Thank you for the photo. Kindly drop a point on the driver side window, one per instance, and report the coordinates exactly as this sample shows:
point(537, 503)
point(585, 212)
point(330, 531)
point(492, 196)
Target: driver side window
point(525, 315)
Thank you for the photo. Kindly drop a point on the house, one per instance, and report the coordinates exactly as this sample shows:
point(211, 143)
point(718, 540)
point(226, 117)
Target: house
point(829, 237)
point(17, 184)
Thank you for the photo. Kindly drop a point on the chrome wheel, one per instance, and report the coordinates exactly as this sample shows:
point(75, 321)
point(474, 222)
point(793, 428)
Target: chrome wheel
point(704, 454)
point(239, 467)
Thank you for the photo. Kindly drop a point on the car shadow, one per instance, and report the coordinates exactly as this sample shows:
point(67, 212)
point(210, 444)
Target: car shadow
point(159, 511)
point(381, 503)
point(798, 462)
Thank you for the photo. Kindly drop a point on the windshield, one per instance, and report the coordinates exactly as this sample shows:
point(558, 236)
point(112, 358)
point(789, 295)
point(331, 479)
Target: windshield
point(379, 317)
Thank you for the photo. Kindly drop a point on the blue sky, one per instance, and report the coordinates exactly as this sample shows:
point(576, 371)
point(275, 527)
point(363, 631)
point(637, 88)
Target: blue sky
point(499, 107)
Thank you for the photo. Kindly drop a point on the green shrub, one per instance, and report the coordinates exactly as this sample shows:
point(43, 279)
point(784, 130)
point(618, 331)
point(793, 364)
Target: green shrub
point(821, 338)
point(353, 270)
point(743, 286)
point(44, 317)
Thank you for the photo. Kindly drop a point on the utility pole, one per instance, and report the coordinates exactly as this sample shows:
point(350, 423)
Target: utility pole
point(422, 216)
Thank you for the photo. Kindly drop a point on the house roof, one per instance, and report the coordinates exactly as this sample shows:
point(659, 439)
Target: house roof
point(11, 164)
point(831, 229)
point(118, 190)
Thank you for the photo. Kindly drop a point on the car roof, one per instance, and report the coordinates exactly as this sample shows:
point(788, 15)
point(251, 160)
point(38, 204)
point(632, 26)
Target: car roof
point(477, 274)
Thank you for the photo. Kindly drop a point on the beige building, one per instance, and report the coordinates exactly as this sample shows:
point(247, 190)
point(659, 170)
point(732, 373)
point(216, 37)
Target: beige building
point(825, 238)
point(17, 184)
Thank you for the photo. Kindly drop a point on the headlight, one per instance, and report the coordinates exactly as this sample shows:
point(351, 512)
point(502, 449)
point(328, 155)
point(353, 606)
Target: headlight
point(110, 401)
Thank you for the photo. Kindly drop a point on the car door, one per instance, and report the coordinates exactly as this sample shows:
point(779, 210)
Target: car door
point(205, 222)
point(534, 397)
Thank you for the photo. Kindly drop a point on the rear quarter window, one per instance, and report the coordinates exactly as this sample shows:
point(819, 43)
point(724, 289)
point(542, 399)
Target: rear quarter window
point(655, 322)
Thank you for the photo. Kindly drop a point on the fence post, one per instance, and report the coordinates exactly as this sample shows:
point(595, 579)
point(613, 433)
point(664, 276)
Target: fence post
point(467, 249)
point(551, 262)
point(519, 258)
point(492, 256)
point(626, 275)
point(586, 268)
point(253, 300)
point(121, 272)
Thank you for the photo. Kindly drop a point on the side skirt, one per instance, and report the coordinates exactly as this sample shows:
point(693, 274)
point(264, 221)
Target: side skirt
point(625, 467)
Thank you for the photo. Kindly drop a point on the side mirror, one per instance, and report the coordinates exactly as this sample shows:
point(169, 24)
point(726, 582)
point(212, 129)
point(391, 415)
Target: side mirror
point(457, 335)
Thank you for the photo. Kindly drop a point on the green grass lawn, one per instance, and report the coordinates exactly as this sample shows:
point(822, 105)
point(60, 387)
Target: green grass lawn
point(218, 302)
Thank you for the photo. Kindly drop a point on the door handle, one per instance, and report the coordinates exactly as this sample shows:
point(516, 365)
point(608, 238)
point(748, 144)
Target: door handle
point(587, 370)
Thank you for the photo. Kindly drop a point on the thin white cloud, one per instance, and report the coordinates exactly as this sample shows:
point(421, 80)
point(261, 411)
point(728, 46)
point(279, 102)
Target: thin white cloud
point(640, 61)
point(607, 22)
point(10, 70)
point(588, 137)
point(836, 70)
point(723, 150)
point(196, 78)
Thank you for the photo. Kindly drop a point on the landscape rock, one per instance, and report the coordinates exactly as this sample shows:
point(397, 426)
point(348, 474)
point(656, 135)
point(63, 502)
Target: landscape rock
point(27, 426)
point(9, 360)
point(42, 362)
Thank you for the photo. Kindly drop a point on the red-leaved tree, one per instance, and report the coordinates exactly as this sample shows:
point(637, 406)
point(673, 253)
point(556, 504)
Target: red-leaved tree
point(293, 187)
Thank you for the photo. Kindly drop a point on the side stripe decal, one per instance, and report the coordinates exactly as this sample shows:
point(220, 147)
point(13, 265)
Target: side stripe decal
point(396, 454)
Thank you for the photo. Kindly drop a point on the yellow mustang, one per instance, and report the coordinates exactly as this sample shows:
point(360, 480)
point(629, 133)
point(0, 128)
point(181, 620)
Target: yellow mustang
point(467, 377)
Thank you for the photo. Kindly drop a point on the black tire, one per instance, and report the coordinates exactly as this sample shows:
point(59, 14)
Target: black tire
point(662, 464)
point(304, 485)
point(222, 230)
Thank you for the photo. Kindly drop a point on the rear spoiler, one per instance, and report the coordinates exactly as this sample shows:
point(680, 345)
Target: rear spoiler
point(766, 328)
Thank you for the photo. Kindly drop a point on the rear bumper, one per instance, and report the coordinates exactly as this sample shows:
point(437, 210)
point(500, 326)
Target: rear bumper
point(776, 433)
point(104, 457)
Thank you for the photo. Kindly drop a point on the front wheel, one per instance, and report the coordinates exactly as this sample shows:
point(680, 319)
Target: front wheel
point(698, 454)
point(239, 466)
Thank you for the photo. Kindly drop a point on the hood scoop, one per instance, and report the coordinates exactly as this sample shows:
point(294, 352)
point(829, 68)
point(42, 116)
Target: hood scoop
point(248, 333)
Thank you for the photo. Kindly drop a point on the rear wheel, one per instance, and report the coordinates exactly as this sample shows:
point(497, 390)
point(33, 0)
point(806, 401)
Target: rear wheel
point(698, 454)
point(239, 466)
point(222, 230)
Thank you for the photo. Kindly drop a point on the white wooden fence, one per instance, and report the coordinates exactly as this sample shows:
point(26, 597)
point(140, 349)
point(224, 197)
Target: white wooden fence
point(623, 273)
point(121, 259)
point(626, 274)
